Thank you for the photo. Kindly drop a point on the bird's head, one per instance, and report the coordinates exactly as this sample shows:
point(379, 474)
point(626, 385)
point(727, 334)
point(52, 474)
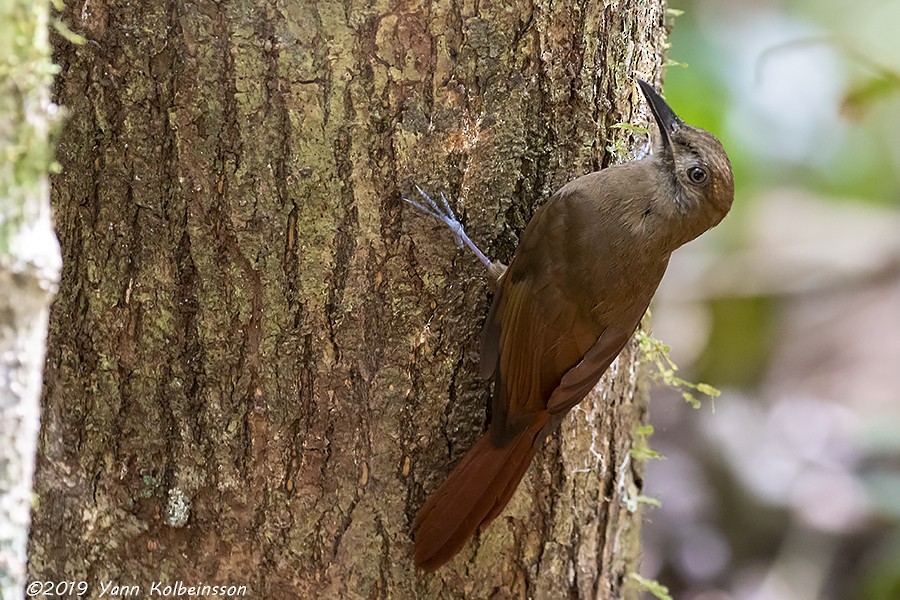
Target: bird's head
point(694, 162)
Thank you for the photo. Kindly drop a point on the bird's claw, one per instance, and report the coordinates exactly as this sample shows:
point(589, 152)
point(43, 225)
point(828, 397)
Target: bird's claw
point(444, 214)
point(644, 150)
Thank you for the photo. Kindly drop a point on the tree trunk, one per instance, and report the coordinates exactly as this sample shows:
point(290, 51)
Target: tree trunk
point(261, 361)
point(29, 267)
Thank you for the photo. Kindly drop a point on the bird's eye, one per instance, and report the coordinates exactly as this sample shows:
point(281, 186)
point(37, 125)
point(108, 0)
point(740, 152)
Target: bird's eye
point(696, 174)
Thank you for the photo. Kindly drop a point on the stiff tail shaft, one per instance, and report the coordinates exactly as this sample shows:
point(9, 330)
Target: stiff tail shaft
point(473, 495)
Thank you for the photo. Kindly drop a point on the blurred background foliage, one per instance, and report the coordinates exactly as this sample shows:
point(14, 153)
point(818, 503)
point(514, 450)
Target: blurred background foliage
point(786, 487)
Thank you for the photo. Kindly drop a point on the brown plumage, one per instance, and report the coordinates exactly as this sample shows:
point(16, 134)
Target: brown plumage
point(582, 277)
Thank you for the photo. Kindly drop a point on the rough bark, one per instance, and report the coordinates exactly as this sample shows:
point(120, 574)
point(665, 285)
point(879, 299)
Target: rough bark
point(29, 267)
point(261, 362)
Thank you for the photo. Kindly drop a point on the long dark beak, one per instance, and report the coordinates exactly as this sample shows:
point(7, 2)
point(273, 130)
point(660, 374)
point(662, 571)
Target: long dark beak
point(666, 118)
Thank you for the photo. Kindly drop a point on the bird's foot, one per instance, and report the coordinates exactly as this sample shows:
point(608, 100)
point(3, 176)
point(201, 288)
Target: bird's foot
point(643, 151)
point(444, 214)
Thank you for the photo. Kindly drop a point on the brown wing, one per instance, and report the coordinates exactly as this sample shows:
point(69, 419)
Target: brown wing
point(535, 332)
point(581, 379)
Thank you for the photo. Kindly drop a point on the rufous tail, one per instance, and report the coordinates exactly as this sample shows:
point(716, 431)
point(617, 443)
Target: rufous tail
point(473, 495)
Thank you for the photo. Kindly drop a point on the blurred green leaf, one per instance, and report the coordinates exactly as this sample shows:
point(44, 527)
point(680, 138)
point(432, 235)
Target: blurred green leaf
point(860, 97)
point(881, 578)
point(740, 341)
